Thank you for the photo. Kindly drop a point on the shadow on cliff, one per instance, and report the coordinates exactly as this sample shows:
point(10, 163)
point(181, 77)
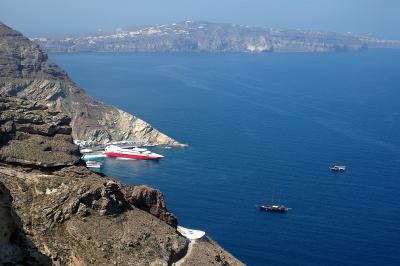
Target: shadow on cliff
point(15, 247)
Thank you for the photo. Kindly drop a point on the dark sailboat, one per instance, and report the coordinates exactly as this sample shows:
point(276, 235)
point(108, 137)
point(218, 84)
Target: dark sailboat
point(273, 208)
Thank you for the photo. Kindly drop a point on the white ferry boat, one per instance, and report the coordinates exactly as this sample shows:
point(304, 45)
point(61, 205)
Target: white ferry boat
point(135, 153)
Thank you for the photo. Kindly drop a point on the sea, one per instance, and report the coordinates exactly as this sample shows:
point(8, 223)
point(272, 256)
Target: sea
point(265, 128)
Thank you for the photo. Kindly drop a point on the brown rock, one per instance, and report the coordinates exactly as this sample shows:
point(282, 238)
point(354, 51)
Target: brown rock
point(206, 252)
point(51, 208)
point(31, 134)
point(150, 200)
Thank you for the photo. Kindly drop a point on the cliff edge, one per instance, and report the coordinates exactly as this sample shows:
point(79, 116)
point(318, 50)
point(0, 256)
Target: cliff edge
point(54, 211)
point(25, 71)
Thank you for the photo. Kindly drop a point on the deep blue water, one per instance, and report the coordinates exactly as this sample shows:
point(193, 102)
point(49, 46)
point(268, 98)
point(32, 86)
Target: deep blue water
point(259, 124)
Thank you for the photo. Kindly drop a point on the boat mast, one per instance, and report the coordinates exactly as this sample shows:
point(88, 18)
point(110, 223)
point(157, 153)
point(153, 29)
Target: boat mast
point(272, 200)
point(280, 195)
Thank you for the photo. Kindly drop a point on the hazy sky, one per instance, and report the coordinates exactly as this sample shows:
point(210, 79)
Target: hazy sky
point(34, 17)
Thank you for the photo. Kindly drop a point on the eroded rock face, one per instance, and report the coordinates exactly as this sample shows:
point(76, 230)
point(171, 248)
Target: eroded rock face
point(77, 217)
point(31, 134)
point(26, 71)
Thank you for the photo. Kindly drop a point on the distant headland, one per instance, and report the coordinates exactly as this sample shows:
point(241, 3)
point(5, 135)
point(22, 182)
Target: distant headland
point(199, 36)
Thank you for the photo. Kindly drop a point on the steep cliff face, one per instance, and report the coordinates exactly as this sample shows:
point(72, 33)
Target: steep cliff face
point(25, 71)
point(54, 211)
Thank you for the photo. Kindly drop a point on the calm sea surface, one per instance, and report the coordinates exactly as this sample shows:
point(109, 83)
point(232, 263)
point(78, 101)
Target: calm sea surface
point(264, 124)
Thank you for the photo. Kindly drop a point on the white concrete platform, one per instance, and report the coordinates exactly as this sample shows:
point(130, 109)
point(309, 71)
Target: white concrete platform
point(190, 234)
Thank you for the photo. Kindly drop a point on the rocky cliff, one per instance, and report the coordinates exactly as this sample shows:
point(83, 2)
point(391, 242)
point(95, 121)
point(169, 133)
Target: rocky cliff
point(26, 71)
point(54, 211)
point(192, 36)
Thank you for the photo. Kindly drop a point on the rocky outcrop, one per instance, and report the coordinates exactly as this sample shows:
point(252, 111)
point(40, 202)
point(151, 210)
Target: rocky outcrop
point(150, 200)
point(54, 211)
point(25, 71)
point(33, 135)
point(192, 36)
point(76, 217)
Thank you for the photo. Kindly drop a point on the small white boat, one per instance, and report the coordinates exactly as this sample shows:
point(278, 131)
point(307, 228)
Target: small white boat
point(93, 164)
point(190, 234)
point(90, 156)
point(338, 168)
point(274, 208)
point(86, 150)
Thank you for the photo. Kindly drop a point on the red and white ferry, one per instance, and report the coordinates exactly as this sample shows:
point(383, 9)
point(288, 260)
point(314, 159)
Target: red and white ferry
point(135, 153)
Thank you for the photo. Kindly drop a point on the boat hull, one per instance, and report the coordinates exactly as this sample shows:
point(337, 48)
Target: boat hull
point(274, 209)
point(133, 156)
point(89, 156)
point(337, 170)
point(94, 166)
